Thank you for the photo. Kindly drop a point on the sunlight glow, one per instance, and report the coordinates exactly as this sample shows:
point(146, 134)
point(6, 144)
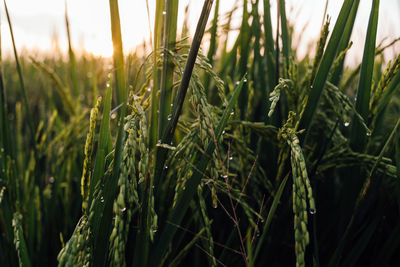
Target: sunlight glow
point(35, 22)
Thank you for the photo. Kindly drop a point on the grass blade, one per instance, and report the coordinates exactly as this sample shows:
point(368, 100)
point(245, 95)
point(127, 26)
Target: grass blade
point(167, 74)
point(72, 60)
point(5, 134)
point(102, 235)
point(325, 65)
point(270, 216)
point(337, 73)
point(210, 92)
point(286, 43)
point(156, 73)
point(102, 144)
point(269, 53)
point(358, 133)
point(244, 50)
point(22, 87)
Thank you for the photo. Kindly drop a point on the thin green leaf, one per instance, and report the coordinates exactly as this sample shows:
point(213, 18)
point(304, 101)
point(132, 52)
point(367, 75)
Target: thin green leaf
point(348, 30)
point(102, 236)
point(270, 216)
point(323, 70)
point(358, 134)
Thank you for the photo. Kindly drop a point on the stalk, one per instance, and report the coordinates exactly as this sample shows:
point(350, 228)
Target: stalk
point(156, 73)
point(269, 51)
point(337, 73)
point(28, 112)
point(244, 47)
point(358, 133)
point(325, 65)
point(285, 36)
point(72, 59)
point(167, 74)
point(102, 236)
point(211, 51)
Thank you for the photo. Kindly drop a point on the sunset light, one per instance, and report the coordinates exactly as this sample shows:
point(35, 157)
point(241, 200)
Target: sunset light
point(199, 133)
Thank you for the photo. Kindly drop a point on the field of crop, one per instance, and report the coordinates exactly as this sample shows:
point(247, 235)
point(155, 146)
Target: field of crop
point(203, 153)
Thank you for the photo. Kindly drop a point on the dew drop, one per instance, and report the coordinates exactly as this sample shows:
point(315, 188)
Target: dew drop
point(148, 89)
point(107, 85)
point(245, 80)
point(237, 83)
point(215, 206)
point(123, 209)
point(232, 113)
point(113, 116)
point(368, 133)
point(164, 12)
point(169, 117)
point(346, 124)
point(225, 176)
point(165, 167)
point(312, 211)
point(223, 132)
point(101, 199)
point(230, 158)
point(51, 180)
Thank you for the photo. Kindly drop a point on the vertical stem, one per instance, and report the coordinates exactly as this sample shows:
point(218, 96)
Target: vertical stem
point(167, 75)
point(156, 73)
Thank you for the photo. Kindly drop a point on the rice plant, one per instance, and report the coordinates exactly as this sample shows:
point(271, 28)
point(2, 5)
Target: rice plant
point(201, 153)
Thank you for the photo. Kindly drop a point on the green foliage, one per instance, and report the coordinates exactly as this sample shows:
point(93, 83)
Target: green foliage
point(189, 163)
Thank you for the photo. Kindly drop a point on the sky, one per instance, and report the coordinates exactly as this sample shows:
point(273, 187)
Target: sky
point(37, 22)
